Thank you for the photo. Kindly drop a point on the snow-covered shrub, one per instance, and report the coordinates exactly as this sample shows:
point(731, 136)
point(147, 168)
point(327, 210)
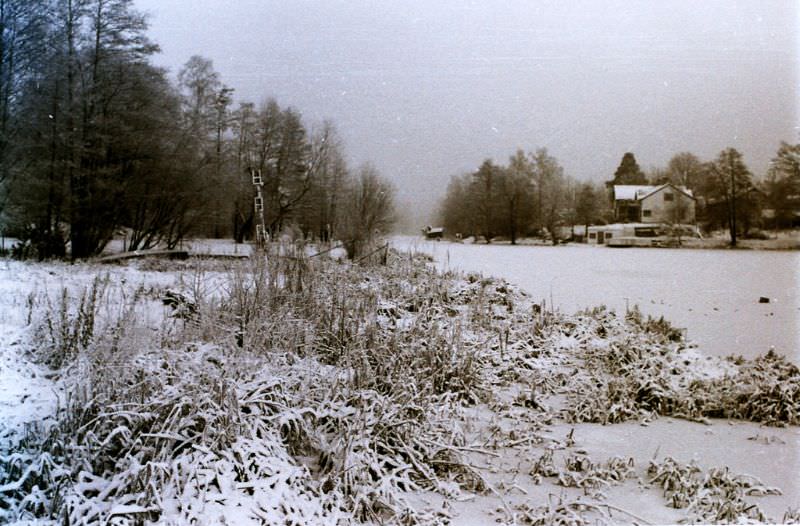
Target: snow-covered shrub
point(562, 511)
point(66, 325)
point(289, 397)
point(714, 497)
point(637, 371)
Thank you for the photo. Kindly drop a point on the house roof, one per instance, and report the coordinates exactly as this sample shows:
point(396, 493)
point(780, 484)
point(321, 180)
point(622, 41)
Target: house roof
point(631, 192)
point(682, 189)
point(635, 192)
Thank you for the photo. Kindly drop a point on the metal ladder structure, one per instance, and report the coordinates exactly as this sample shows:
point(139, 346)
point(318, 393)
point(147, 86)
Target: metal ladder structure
point(261, 229)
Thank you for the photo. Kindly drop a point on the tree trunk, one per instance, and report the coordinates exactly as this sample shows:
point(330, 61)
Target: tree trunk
point(512, 223)
point(76, 224)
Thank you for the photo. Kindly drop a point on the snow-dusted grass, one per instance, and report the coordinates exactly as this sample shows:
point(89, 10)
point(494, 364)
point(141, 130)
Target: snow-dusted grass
point(713, 294)
point(714, 497)
point(309, 391)
point(291, 376)
point(631, 373)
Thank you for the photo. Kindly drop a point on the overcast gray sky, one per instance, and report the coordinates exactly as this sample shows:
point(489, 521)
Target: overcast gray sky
point(426, 89)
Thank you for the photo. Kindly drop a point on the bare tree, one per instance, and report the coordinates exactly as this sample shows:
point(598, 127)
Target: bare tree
point(328, 172)
point(243, 125)
point(586, 210)
point(782, 184)
point(368, 211)
point(549, 177)
point(89, 124)
point(206, 116)
point(516, 191)
point(453, 212)
point(482, 198)
point(686, 170)
point(23, 29)
point(732, 182)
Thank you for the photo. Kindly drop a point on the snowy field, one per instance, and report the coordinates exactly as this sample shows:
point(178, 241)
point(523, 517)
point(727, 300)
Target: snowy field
point(712, 293)
point(476, 453)
point(29, 392)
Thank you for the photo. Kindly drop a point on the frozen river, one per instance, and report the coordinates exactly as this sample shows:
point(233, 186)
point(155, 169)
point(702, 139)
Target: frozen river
point(712, 293)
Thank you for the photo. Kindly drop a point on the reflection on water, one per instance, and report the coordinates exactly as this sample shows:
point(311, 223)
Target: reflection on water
point(714, 294)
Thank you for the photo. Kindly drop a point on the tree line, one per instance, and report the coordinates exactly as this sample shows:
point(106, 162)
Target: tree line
point(532, 196)
point(528, 196)
point(95, 140)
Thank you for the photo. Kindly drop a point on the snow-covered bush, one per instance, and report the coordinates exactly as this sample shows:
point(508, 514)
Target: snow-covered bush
point(714, 497)
point(293, 394)
point(636, 370)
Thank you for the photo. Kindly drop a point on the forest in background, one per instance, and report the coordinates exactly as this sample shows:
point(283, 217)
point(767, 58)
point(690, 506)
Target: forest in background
point(97, 142)
point(532, 196)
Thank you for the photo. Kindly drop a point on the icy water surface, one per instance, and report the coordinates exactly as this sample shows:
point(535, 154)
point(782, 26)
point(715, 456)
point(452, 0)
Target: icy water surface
point(714, 294)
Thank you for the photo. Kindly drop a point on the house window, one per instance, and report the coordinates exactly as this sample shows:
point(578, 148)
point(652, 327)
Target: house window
point(609, 235)
point(646, 213)
point(668, 196)
point(592, 235)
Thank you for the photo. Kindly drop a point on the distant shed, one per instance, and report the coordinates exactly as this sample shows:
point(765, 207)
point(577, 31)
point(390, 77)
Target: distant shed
point(433, 232)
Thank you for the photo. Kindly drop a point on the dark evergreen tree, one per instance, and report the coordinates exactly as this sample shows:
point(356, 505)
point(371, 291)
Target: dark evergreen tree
point(628, 171)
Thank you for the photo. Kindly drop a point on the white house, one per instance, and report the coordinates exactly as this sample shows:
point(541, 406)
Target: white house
point(661, 204)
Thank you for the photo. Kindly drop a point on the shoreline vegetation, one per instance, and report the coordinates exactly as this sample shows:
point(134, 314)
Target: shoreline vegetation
point(298, 390)
point(784, 240)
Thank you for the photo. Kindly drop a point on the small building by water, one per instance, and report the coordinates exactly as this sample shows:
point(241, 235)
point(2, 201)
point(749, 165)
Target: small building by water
point(431, 232)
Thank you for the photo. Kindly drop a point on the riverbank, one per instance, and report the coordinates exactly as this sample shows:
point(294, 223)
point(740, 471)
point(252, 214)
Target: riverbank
point(781, 240)
point(315, 391)
point(713, 294)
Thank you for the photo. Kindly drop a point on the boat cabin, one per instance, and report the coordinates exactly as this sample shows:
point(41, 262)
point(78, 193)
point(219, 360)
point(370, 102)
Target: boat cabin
point(433, 232)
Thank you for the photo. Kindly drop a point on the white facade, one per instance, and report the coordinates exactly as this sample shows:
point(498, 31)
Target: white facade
point(668, 204)
point(664, 203)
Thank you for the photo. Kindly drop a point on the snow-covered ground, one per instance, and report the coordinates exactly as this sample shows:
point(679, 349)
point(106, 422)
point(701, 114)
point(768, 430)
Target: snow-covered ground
point(31, 393)
point(713, 293)
point(772, 455)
